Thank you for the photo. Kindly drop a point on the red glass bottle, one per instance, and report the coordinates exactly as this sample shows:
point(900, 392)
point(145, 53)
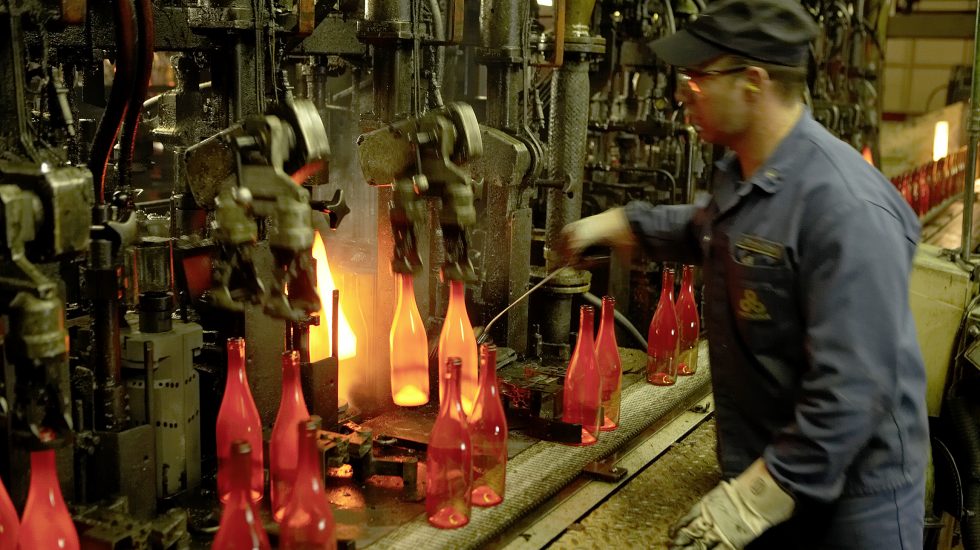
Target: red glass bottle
point(582, 400)
point(457, 340)
point(409, 351)
point(284, 444)
point(9, 524)
point(240, 527)
point(662, 338)
point(690, 324)
point(46, 522)
point(308, 523)
point(488, 434)
point(449, 460)
point(610, 365)
point(238, 419)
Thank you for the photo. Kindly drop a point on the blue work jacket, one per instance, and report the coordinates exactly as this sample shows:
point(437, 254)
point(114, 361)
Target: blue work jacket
point(814, 360)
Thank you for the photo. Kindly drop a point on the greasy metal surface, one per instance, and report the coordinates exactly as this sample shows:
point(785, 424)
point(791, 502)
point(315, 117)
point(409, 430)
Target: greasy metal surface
point(544, 468)
point(639, 515)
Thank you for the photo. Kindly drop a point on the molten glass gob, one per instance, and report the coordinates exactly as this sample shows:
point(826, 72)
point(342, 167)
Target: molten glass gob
point(9, 525)
point(690, 324)
point(409, 349)
point(610, 365)
point(449, 460)
point(457, 340)
point(284, 443)
point(663, 337)
point(238, 419)
point(488, 434)
point(582, 400)
point(240, 527)
point(308, 522)
point(46, 522)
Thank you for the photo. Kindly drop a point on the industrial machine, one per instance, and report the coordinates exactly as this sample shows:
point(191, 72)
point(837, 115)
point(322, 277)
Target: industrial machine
point(169, 168)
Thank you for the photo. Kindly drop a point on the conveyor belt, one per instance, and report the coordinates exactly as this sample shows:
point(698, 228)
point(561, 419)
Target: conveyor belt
point(544, 468)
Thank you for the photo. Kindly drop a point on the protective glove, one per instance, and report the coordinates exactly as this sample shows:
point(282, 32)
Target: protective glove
point(611, 227)
point(734, 513)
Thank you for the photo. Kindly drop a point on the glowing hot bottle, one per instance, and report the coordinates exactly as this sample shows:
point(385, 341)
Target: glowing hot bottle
point(46, 522)
point(409, 349)
point(457, 340)
point(240, 527)
point(238, 419)
point(284, 443)
point(488, 433)
point(690, 324)
point(582, 400)
point(663, 337)
point(610, 365)
point(449, 459)
point(308, 523)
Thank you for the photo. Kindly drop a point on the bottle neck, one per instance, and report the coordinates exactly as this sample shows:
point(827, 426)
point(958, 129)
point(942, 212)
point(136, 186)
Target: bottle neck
point(236, 362)
point(489, 373)
point(586, 327)
point(457, 296)
point(451, 404)
point(291, 388)
point(608, 312)
point(667, 292)
point(44, 470)
point(241, 472)
point(406, 288)
point(308, 474)
point(687, 279)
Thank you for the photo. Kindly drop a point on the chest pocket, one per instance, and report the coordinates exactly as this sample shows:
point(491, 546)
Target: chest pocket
point(764, 304)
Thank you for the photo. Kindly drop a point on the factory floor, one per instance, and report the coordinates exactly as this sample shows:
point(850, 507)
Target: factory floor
point(639, 514)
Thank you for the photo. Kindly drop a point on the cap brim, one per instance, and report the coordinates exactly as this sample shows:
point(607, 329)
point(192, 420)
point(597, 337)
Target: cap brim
point(683, 49)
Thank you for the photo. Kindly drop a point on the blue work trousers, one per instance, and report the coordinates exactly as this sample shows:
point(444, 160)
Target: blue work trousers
point(889, 520)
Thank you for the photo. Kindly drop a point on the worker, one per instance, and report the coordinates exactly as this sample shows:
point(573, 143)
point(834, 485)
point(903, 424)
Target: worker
point(818, 381)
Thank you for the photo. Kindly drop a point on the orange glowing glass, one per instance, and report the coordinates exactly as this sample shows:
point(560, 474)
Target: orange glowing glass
point(690, 324)
point(308, 523)
point(284, 443)
point(662, 339)
point(610, 365)
point(457, 340)
point(449, 459)
point(9, 525)
point(47, 523)
point(240, 527)
point(488, 434)
point(238, 419)
point(320, 337)
point(582, 396)
point(409, 348)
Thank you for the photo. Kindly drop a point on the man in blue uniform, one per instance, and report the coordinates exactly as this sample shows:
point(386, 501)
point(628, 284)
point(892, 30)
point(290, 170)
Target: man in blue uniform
point(807, 250)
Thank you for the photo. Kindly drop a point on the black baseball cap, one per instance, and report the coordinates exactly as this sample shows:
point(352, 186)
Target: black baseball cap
point(771, 31)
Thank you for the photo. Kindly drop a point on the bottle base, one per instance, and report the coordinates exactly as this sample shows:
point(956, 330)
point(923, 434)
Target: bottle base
point(587, 439)
point(608, 425)
point(448, 518)
point(485, 496)
point(661, 379)
point(684, 370)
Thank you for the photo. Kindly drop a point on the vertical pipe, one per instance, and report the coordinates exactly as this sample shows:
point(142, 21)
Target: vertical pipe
point(143, 71)
point(973, 133)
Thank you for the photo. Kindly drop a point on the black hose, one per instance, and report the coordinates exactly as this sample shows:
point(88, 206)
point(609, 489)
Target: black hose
point(143, 72)
point(119, 97)
point(966, 433)
point(620, 318)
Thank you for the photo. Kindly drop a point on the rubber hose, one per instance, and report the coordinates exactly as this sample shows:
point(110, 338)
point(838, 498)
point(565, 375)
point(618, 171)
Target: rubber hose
point(620, 318)
point(967, 436)
point(143, 73)
point(119, 97)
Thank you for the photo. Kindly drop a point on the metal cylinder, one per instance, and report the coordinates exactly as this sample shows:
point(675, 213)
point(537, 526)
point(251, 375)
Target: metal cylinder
point(153, 267)
point(103, 283)
point(567, 131)
point(387, 10)
point(973, 131)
